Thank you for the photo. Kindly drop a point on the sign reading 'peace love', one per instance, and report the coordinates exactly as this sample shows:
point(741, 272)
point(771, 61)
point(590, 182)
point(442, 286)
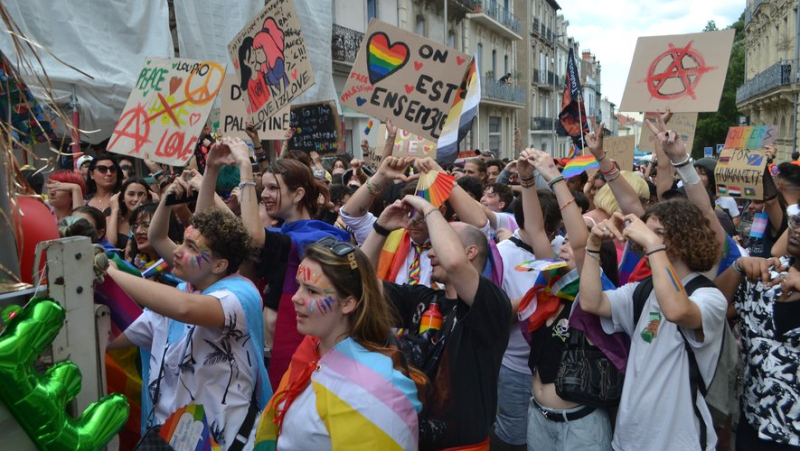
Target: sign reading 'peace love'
point(404, 77)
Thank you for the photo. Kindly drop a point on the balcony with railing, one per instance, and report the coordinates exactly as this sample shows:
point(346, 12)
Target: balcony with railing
point(751, 11)
point(494, 16)
point(345, 44)
point(506, 94)
point(535, 28)
point(777, 75)
point(542, 124)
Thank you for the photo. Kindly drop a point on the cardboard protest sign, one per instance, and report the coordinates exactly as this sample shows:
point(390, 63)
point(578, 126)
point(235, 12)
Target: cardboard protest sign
point(234, 118)
point(683, 124)
point(316, 127)
point(404, 77)
point(740, 173)
point(754, 137)
point(167, 110)
point(406, 144)
point(620, 149)
point(684, 73)
point(271, 62)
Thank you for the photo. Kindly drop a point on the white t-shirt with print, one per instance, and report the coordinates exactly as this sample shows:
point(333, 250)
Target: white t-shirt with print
point(728, 204)
point(204, 366)
point(656, 411)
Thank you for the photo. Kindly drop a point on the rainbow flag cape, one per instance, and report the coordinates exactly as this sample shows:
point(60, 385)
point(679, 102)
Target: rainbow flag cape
point(187, 428)
point(579, 165)
point(365, 403)
point(123, 374)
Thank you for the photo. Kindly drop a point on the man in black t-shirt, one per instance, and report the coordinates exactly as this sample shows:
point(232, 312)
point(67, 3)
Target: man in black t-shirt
point(477, 316)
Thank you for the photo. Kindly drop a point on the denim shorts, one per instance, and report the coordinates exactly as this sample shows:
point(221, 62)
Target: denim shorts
point(590, 433)
point(513, 393)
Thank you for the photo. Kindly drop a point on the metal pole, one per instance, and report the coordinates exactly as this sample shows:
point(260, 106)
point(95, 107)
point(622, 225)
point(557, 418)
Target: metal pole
point(445, 23)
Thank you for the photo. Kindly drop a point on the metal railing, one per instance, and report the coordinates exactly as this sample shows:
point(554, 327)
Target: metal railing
point(779, 74)
point(542, 123)
point(502, 15)
point(492, 89)
point(535, 25)
point(345, 44)
point(751, 11)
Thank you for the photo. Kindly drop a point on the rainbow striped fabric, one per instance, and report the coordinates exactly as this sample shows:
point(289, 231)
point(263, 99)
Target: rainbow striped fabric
point(365, 403)
point(187, 428)
point(578, 165)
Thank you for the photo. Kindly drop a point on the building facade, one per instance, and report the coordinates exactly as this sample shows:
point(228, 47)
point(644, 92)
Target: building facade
point(769, 95)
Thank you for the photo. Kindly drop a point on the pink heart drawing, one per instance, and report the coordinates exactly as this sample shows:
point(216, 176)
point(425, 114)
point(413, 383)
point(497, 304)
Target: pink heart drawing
point(409, 88)
point(417, 65)
point(460, 60)
point(194, 118)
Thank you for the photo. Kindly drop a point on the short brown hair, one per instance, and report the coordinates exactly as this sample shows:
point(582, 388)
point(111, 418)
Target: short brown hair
point(226, 236)
point(687, 233)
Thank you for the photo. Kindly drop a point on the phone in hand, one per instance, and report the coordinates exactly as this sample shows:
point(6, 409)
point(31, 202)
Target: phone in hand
point(172, 200)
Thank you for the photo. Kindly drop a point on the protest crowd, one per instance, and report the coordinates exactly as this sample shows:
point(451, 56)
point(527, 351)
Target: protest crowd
point(309, 300)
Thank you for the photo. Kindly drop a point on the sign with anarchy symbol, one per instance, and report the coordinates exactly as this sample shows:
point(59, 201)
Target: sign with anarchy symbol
point(684, 73)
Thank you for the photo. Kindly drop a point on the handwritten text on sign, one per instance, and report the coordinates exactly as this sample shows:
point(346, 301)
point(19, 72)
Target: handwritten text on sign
point(754, 137)
point(404, 77)
point(233, 114)
point(316, 128)
point(406, 144)
point(167, 110)
point(271, 61)
point(740, 173)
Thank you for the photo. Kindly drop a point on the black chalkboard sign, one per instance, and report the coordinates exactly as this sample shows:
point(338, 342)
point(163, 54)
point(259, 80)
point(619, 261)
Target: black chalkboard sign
point(316, 128)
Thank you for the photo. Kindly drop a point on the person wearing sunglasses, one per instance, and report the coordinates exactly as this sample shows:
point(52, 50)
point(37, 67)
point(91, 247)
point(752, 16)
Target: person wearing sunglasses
point(347, 386)
point(466, 351)
point(103, 181)
point(201, 341)
point(291, 194)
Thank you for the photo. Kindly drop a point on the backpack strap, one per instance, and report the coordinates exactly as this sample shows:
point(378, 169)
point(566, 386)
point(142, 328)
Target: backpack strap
point(640, 295)
point(521, 244)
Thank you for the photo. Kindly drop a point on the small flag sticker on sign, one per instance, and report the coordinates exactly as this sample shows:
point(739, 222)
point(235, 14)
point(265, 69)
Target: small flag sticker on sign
point(749, 192)
point(725, 159)
point(734, 191)
point(722, 189)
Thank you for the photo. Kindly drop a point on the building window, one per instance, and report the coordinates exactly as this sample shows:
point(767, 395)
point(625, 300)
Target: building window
point(480, 56)
point(451, 39)
point(505, 65)
point(419, 29)
point(495, 134)
point(494, 62)
point(372, 10)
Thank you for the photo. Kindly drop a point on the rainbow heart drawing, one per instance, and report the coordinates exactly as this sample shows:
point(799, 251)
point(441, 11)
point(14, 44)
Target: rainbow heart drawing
point(383, 58)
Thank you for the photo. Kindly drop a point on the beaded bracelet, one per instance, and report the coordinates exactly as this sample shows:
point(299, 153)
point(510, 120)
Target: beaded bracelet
point(737, 268)
point(245, 183)
point(560, 178)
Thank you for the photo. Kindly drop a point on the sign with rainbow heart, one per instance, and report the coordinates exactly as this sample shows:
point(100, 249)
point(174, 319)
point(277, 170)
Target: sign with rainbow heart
point(167, 109)
point(404, 77)
point(271, 62)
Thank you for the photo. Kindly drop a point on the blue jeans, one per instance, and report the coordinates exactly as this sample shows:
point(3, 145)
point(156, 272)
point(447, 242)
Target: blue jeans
point(513, 392)
point(592, 432)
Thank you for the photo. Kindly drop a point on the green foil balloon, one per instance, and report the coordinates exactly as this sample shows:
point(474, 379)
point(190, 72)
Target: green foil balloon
point(38, 400)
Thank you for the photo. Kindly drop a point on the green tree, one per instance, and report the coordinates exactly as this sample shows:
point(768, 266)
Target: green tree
point(712, 128)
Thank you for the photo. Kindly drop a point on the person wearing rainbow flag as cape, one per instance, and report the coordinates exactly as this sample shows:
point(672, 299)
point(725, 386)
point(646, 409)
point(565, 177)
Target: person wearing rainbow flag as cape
point(346, 387)
point(204, 337)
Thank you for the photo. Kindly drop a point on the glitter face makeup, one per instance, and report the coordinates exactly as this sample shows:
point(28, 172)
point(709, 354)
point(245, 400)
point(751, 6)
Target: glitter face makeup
point(204, 251)
point(308, 277)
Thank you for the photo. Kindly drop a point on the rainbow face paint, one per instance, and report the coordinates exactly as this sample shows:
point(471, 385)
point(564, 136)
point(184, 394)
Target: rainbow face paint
point(325, 305)
point(204, 251)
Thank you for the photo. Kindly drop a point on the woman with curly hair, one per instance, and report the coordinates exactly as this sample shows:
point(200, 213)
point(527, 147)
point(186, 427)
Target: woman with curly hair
point(346, 385)
point(659, 409)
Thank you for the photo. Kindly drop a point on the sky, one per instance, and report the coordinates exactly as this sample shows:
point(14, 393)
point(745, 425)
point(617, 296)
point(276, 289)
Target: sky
point(610, 28)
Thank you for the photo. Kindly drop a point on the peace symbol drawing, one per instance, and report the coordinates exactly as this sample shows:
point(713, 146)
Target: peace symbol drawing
point(384, 58)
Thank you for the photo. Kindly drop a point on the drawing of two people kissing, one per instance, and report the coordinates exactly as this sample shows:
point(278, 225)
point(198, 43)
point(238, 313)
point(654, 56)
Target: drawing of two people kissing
point(262, 65)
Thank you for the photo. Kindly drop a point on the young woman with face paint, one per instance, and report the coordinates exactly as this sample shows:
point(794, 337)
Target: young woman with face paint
point(340, 308)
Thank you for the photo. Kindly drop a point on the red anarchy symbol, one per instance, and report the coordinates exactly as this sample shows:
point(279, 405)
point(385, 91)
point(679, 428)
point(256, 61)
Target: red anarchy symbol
point(134, 125)
point(686, 68)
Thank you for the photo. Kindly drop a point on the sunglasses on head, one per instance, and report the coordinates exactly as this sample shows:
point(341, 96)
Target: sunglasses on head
point(340, 249)
point(106, 169)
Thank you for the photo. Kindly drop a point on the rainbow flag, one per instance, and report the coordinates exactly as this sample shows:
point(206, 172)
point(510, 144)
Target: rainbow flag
point(155, 269)
point(573, 152)
point(579, 165)
point(365, 403)
point(368, 128)
point(187, 428)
